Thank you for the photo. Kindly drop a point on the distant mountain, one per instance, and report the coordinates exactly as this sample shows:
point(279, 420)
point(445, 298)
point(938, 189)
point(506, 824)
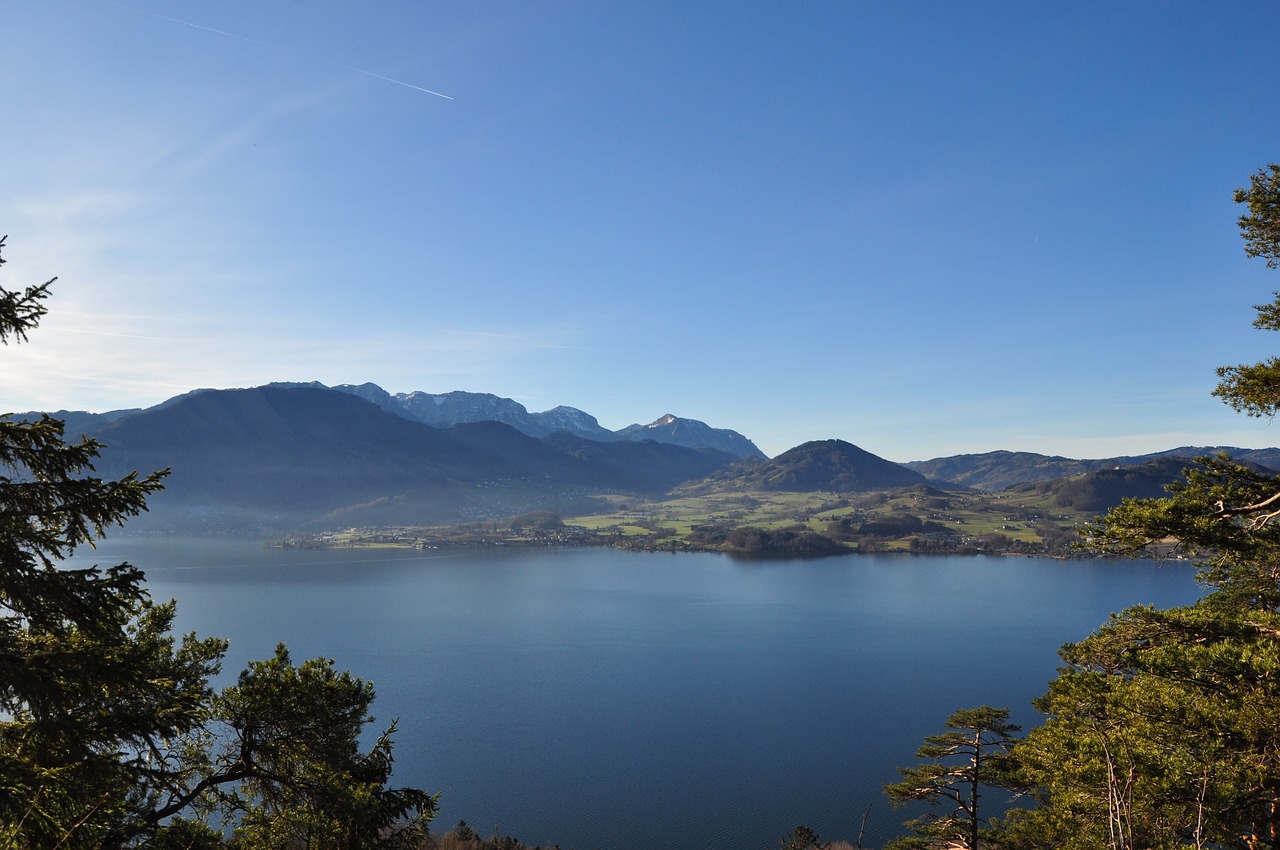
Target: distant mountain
point(293, 455)
point(571, 420)
point(76, 423)
point(443, 410)
point(1102, 489)
point(458, 408)
point(692, 433)
point(561, 459)
point(455, 408)
point(1266, 458)
point(1001, 469)
point(826, 465)
point(284, 457)
point(275, 457)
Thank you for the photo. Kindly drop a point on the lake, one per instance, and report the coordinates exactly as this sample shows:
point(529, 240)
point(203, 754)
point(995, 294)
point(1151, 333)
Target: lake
point(610, 700)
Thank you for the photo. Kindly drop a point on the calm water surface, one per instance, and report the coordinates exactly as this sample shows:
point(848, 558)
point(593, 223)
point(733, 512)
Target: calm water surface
point(612, 700)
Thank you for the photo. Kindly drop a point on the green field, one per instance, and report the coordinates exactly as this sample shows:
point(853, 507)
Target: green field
point(972, 516)
point(916, 519)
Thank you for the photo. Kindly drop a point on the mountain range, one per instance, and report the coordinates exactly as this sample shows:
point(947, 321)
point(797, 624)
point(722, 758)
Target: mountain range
point(458, 408)
point(1002, 469)
point(279, 457)
point(296, 456)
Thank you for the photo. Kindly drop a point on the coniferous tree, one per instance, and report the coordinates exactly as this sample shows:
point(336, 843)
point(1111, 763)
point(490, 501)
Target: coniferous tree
point(111, 735)
point(971, 755)
point(89, 679)
point(1163, 729)
point(802, 838)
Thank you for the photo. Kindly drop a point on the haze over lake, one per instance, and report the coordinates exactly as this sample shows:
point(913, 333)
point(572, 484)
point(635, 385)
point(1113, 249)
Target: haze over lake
point(611, 700)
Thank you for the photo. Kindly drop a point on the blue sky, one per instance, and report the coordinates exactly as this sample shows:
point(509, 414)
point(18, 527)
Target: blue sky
point(926, 228)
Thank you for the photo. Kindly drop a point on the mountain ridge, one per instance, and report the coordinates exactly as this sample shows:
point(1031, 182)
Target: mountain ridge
point(995, 470)
point(1000, 470)
point(459, 407)
point(283, 457)
point(300, 454)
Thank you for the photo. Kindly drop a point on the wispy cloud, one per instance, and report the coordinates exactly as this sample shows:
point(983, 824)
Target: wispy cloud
point(118, 335)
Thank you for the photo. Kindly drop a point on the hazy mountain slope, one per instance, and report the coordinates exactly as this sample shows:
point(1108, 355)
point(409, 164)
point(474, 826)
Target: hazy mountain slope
point(288, 455)
point(443, 410)
point(1100, 490)
point(79, 422)
point(1266, 458)
point(1000, 470)
point(281, 457)
point(648, 467)
point(273, 456)
point(645, 464)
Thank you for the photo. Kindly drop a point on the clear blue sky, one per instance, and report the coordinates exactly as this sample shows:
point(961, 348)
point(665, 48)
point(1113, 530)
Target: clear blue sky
point(925, 228)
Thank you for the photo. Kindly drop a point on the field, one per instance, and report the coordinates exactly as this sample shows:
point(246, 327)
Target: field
point(1024, 518)
point(916, 519)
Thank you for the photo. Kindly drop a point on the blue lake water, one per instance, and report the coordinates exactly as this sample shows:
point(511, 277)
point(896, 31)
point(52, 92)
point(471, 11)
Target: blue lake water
point(611, 700)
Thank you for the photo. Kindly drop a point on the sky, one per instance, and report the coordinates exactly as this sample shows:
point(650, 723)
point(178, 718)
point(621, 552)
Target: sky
point(926, 228)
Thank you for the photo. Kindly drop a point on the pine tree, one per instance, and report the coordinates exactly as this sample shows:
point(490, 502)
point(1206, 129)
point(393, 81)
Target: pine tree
point(971, 755)
point(1163, 729)
point(110, 734)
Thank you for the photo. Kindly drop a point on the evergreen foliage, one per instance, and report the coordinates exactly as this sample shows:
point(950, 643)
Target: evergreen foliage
point(1163, 728)
point(971, 755)
point(111, 735)
point(801, 838)
point(1260, 226)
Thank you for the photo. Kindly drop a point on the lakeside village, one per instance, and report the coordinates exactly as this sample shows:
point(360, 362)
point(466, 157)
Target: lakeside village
point(790, 525)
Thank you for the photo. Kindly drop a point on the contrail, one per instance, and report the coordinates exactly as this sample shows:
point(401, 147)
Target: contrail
point(388, 79)
point(275, 47)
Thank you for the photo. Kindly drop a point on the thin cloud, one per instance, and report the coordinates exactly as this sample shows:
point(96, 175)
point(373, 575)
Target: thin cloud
point(109, 333)
point(526, 340)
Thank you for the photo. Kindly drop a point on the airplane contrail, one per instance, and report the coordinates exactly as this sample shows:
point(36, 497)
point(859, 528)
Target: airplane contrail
point(275, 47)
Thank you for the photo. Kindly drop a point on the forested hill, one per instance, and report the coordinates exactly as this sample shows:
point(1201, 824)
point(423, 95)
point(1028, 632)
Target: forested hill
point(820, 465)
point(1002, 469)
point(1098, 491)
